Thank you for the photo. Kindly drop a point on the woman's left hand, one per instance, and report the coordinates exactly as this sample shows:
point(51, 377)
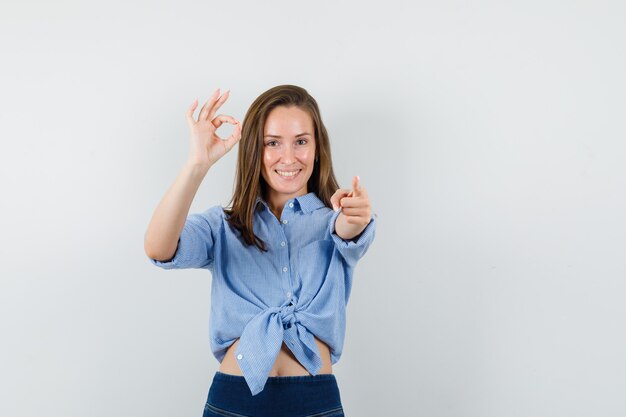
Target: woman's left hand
point(355, 204)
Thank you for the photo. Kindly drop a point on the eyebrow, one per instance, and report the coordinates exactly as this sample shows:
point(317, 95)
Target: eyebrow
point(279, 137)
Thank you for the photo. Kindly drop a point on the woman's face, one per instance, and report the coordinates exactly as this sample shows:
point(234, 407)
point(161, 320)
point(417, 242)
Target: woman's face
point(288, 148)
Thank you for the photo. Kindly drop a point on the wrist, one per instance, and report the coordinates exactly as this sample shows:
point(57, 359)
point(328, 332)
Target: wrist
point(196, 169)
point(197, 166)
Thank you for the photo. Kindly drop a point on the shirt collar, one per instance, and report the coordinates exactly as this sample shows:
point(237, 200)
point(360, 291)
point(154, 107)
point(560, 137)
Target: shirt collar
point(308, 202)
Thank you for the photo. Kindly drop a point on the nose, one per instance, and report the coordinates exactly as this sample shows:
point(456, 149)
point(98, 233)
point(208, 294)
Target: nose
point(288, 156)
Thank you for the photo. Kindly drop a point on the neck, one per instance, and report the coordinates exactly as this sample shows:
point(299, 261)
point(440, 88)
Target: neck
point(276, 201)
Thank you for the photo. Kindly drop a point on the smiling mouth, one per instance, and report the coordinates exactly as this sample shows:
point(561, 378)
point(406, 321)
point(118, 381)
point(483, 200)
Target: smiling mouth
point(288, 174)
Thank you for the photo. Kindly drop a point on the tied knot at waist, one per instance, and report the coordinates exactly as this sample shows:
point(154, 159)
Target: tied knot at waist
point(261, 341)
point(286, 312)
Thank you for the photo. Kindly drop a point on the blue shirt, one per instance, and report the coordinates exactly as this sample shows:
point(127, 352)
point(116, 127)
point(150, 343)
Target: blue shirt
point(298, 289)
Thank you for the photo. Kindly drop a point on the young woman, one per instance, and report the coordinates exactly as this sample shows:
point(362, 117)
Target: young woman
point(280, 257)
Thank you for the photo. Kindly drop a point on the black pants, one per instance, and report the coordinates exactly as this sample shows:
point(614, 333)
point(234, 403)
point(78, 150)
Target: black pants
point(283, 396)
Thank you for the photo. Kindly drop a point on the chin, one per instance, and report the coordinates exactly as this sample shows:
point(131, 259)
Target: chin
point(288, 190)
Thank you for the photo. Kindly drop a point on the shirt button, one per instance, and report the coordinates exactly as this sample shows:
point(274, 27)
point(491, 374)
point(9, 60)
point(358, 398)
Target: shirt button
point(285, 269)
point(289, 294)
point(290, 204)
point(282, 243)
point(285, 221)
point(239, 356)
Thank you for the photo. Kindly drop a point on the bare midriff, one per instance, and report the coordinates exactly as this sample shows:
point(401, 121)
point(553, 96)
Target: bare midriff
point(286, 363)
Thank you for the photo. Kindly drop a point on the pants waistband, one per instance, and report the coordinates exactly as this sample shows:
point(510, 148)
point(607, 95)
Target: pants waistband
point(287, 379)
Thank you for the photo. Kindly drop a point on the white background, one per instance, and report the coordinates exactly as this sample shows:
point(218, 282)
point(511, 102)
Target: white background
point(489, 135)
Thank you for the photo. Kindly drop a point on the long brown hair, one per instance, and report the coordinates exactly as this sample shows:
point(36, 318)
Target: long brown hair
point(249, 183)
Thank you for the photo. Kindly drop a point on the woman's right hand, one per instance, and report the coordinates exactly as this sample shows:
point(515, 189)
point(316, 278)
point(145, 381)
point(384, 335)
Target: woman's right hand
point(206, 146)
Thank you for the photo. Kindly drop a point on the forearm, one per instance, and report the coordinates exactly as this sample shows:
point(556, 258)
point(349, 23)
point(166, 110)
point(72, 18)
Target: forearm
point(168, 220)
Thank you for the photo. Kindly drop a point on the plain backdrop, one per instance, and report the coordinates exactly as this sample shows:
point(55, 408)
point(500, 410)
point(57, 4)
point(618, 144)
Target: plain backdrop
point(489, 135)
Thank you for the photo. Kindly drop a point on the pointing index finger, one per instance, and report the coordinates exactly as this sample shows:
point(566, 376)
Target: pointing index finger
point(356, 187)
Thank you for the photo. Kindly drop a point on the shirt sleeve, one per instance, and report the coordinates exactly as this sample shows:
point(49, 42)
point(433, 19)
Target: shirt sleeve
point(353, 249)
point(196, 241)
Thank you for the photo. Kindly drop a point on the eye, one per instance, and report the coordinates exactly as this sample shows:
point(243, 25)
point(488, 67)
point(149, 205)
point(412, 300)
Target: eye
point(305, 140)
point(270, 142)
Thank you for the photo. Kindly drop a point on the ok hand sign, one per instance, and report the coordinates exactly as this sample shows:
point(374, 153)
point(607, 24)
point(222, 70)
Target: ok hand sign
point(206, 146)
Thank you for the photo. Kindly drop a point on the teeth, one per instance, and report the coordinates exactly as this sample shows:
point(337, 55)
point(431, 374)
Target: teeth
point(288, 173)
